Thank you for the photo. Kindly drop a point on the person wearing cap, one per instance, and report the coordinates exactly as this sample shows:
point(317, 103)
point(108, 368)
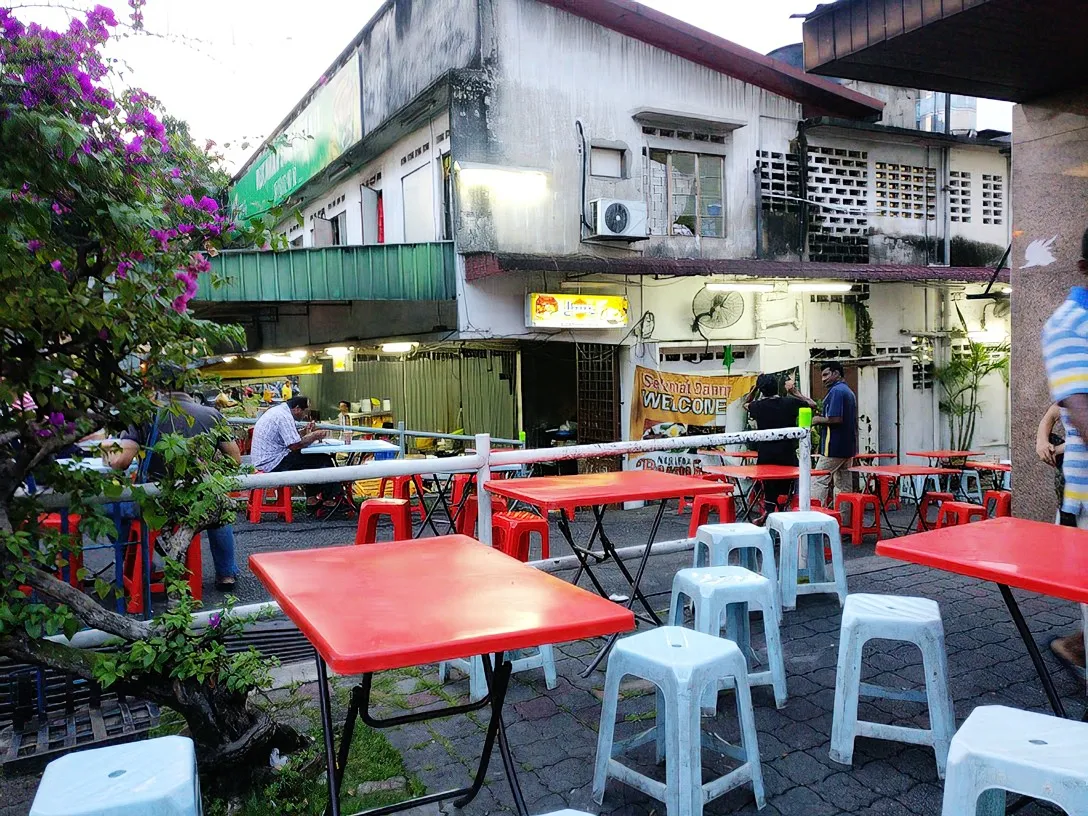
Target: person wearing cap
point(770, 410)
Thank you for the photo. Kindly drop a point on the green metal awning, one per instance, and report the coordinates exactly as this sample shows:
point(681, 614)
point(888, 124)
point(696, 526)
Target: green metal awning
point(379, 272)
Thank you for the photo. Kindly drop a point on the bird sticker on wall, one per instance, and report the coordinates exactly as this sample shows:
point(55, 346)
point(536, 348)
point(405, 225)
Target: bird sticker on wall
point(1038, 253)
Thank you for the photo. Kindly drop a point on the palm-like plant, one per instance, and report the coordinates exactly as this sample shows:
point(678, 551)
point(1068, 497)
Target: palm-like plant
point(960, 381)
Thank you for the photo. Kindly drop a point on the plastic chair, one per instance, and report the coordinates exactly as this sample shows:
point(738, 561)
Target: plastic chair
point(818, 532)
point(931, 500)
point(133, 570)
point(465, 524)
point(1000, 749)
point(725, 595)
point(682, 664)
point(997, 503)
point(721, 503)
point(133, 779)
point(511, 530)
point(279, 506)
point(953, 513)
point(888, 617)
point(373, 510)
point(856, 527)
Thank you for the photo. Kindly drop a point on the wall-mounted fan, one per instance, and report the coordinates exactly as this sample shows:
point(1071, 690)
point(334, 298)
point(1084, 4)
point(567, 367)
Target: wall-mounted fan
point(715, 310)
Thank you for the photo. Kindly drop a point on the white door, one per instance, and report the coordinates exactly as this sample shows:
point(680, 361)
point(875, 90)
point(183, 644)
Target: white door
point(887, 410)
point(369, 203)
point(418, 190)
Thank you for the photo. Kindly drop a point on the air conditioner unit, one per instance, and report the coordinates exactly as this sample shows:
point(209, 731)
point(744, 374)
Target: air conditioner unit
point(615, 220)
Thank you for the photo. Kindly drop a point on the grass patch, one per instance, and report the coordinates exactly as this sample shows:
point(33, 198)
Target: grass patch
point(300, 788)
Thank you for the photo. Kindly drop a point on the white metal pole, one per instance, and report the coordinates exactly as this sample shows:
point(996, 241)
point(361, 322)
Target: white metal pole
point(483, 497)
point(804, 462)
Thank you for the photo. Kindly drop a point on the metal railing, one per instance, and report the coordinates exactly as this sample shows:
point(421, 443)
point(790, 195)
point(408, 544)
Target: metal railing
point(399, 432)
point(481, 462)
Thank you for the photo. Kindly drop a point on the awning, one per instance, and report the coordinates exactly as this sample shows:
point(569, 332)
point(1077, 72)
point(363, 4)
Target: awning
point(247, 369)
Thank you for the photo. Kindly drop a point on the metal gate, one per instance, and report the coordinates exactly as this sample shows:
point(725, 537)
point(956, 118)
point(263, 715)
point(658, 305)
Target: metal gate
point(598, 400)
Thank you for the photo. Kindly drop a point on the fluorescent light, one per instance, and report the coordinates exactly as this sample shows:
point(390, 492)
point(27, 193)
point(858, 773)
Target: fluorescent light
point(282, 359)
point(398, 348)
point(989, 336)
point(337, 351)
point(297, 354)
point(729, 286)
point(826, 288)
point(230, 358)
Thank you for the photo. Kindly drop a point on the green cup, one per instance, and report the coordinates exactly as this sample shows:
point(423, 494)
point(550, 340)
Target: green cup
point(804, 417)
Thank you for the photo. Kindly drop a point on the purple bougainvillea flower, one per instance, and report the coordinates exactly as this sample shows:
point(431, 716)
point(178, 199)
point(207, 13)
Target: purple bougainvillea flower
point(33, 245)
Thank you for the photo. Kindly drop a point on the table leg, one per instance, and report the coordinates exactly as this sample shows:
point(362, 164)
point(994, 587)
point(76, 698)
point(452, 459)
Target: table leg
point(332, 772)
point(428, 515)
point(493, 678)
point(582, 554)
point(1033, 650)
point(635, 591)
point(610, 550)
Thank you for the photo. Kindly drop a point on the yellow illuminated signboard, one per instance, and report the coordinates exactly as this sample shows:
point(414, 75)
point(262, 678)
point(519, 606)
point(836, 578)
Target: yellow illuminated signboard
point(576, 311)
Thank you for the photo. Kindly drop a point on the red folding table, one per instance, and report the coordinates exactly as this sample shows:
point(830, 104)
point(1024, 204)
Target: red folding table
point(1011, 552)
point(904, 472)
point(597, 491)
point(405, 603)
point(758, 474)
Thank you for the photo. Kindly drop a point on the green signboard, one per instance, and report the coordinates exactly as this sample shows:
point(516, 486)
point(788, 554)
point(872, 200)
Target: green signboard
point(330, 124)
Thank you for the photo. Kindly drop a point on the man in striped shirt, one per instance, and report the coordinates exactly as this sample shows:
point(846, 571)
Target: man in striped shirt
point(1065, 352)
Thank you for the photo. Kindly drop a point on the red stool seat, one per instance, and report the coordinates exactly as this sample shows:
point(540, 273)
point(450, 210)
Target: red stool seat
point(932, 499)
point(858, 503)
point(402, 489)
point(511, 530)
point(795, 504)
point(721, 503)
point(997, 503)
point(134, 568)
point(466, 519)
point(73, 558)
point(953, 513)
point(726, 488)
point(280, 504)
point(372, 510)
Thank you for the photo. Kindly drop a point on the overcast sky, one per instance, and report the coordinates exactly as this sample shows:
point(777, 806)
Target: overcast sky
point(234, 68)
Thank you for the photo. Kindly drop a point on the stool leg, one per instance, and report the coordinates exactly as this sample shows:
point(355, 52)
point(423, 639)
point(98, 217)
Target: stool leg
point(680, 709)
point(942, 713)
point(749, 740)
point(962, 796)
point(838, 567)
point(607, 728)
point(775, 657)
point(844, 724)
point(788, 576)
point(702, 554)
point(661, 725)
point(689, 789)
point(676, 608)
point(547, 657)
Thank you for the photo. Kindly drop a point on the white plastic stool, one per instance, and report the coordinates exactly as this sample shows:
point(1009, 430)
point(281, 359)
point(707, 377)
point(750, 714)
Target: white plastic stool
point(971, 486)
point(729, 592)
point(1000, 749)
point(474, 668)
point(682, 664)
point(714, 543)
point(889, 617)
point(815, 531)
point(920, 485)
point(134, 779)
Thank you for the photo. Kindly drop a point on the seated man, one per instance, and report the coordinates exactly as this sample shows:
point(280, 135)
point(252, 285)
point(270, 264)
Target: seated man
point(277, 446)
point(188, 418)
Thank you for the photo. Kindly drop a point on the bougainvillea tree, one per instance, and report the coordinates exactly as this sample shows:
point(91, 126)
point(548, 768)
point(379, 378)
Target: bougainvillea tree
point(108, 217)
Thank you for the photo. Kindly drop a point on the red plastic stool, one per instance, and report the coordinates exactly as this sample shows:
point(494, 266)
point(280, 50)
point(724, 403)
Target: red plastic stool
point(510, 533)
point(795, 504)
point(929, 500)
point(133, 575)
point(827, 511)
point(721, 503)
point(997, 503)
point(888, 490)
point(370, 511)
point(51, 521)
point(726, 488)
point(953, 513)
point(280, 504)
point(461, 481)
point(858, 504)
point(470, 510)
point(402, 489)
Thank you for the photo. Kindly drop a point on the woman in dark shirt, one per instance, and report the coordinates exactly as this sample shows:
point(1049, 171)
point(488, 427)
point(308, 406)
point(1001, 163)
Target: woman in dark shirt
point(771, 411)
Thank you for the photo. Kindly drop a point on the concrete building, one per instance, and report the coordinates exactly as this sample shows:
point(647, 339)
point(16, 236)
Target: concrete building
point(1028, 53)
point(580, 150)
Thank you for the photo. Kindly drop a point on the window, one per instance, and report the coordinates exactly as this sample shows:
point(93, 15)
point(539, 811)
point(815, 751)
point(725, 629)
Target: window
point(686, 194)
point(339, 224)
point(606, 161)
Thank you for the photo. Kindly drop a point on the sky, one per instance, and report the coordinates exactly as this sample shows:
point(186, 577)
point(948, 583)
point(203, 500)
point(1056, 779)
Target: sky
point(234, 68)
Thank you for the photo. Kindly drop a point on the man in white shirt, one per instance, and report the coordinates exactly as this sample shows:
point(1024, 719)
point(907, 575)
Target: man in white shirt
point(277, 446)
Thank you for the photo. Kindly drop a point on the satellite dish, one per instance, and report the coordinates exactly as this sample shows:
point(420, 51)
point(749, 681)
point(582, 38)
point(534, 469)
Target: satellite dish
point(716, 310)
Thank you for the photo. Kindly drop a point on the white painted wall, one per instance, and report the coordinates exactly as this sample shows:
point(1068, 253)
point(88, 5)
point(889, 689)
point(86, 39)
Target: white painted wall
point(391, 185)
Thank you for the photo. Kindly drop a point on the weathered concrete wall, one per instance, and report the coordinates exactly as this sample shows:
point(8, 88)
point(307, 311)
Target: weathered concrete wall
point(1050, 187)
point(519, 112)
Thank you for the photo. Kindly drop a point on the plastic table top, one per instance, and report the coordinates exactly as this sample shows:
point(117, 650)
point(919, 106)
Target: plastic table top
point(998, 467)
point(592, 489)
point(944, 454)
point(360, 605)
point(1032, 555)
point(759, 473)
point(355, 446)
point(905, 470)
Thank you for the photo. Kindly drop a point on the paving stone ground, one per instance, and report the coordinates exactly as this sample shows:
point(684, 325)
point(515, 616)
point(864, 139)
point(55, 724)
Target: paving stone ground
point(553, 732)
